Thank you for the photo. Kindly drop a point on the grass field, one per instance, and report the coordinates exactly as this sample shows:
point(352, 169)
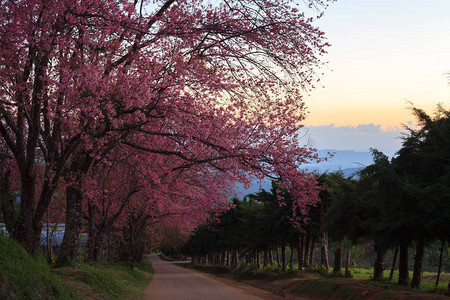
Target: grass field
point(30, 277)
point(428, 280)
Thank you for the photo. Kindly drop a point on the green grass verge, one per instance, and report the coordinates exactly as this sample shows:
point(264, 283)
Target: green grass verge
point(112, 280)
point(30, 277)
point(315, 286)
point(25, 277)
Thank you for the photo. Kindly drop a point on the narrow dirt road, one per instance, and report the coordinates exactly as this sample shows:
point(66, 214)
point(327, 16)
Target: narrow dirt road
point(172, 282)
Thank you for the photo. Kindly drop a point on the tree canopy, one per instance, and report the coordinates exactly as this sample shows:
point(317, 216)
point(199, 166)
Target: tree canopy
point(203, 94)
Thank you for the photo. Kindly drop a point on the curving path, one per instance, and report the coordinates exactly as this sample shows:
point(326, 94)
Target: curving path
point(171, 282)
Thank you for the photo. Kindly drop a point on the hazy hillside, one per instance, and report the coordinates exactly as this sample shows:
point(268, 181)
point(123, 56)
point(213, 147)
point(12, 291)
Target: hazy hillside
point(348, 161)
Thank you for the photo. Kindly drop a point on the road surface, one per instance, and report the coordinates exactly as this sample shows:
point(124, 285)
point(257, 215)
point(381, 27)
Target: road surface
point(171, 282)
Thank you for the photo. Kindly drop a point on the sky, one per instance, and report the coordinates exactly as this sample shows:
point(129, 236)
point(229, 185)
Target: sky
point(383, 53)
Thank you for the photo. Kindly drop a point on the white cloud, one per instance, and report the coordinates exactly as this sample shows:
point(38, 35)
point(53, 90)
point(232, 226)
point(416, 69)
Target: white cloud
point(357, 138)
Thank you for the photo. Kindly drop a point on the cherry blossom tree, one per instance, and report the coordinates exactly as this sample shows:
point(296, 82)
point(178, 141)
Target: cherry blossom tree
point(220, 84)
point(147, 193)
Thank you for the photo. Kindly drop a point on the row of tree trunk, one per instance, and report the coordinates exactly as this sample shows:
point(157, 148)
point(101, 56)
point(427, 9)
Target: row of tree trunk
point(401, 250)
point(304, 248)
point(305, 253)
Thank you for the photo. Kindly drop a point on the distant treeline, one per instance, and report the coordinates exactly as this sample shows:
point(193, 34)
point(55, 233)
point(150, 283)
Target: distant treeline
point(399, 205)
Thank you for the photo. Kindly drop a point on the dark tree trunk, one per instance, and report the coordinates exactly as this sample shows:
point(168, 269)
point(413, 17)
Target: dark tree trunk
point(270, 257)
point(91, 233)
point(394, 262)
point(440, 263)
point(266, 258)
point(403, 274)
point(311, 254)
point(324, 252)
point(7, 202)
point(291, 259)
point(135, 246)
point(379, 263)
point(347, 264)
point(415, 282)
point(80, 165)
point(136, 229)
point(258, 263)
point(98, 243)
point(278, 256)
point(29, 222)
point(25, 233)
point(300, 251)
point(337, 260)
point(31, 214)
point(233, 263)
point(283, 258)
point(307, 240)
point(74, 220)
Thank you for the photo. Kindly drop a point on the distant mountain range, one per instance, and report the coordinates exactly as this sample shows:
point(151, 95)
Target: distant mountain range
point(347, 161)
point(341, 160)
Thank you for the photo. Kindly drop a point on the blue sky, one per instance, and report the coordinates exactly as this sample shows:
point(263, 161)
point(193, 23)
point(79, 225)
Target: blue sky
point(383, 54)
point(358, 138)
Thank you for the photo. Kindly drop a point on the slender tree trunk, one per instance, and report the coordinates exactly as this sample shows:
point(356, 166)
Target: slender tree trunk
point(98, 244)
point(258, 263)
point(311, 255)
point(394, 261)
point(266, 258)
point(48, 239)
point(379, 263)
point(440, 262)
point(291, 259)
point(307, 240)
point(91, 233)
point(415, 282)
point(74, 220)
point(270, 257)
point(337, 260)
point(403, 274)
point(300, 251)
point(347, 264)
point(324, 251)
point(233, 260)
point(136, 232)
point(278, 256)
point(283, 257)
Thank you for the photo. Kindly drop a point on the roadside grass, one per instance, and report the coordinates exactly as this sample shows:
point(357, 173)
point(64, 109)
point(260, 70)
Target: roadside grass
point(31, 277)
point(112, 280)
point(28, 277)
point(428, 280)
point(317, 281)
point(315, 286)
